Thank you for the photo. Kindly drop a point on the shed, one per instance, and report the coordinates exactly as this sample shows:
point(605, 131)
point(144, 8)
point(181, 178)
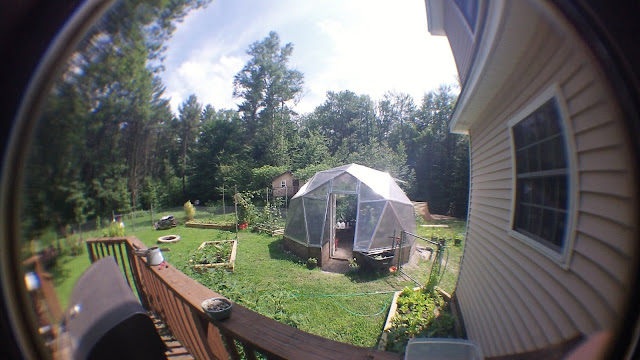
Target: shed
point(285, 185)
point(363, 208)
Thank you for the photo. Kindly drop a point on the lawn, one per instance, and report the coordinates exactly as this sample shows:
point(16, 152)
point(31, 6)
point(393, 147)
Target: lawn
point(348, 307)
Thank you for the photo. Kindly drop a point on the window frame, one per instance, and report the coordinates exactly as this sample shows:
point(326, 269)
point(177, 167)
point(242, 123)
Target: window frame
point(562, 257)
point(283, 183)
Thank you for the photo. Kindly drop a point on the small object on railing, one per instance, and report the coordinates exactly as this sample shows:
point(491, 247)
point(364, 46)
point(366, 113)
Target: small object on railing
point(217, 308)
point(163, 265)
point(154, 255)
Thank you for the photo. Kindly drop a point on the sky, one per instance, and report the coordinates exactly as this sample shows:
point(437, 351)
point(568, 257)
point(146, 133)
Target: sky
point(366, 46)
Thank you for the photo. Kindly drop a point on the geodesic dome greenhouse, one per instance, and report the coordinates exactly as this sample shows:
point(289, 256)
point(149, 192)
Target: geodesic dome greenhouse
point(383, 209)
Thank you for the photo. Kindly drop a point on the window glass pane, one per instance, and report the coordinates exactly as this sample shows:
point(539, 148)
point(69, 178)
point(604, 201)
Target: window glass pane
point(345, 182)
point(389, 225)
point(368, 216)
point(535, 221)
point(314, 210)
point(522, 217)
point(525, 191)
point(551, 192)
point(558, 237)
point(537, 191)
point(534, 159)
point(296, 227)
point(562, 191)
point(558, 153)
point(541, 183)
point(548, 229)
point(552, 115)
point(522, 162)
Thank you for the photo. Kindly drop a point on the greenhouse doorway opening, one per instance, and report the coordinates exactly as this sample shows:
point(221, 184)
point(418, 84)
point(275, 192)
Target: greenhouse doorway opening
point(343, 214)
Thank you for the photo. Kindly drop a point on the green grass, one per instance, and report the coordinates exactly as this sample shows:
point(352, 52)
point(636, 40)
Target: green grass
point(451, 256)
point(342, 307)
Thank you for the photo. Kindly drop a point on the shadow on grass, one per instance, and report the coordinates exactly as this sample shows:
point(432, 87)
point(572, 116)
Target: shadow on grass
point(363, 274)
point(277, 252)
point(58, 269)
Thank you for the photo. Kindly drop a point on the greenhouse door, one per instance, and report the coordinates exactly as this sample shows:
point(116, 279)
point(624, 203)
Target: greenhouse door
point(343, 214)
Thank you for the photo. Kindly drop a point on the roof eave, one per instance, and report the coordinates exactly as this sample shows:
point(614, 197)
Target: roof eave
point(505, 38)
point(435, 17)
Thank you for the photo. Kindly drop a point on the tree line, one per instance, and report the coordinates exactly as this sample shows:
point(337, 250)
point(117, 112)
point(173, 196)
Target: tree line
point(108, 140)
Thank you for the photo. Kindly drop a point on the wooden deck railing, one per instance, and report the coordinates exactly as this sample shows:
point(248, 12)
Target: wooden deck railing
point(176, 298)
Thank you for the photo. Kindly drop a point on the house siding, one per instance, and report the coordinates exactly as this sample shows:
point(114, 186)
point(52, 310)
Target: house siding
point(462, 37)
point(513, 297)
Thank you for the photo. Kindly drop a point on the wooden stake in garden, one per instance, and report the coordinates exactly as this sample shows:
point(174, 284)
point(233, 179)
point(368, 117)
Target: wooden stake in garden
point(235, 206)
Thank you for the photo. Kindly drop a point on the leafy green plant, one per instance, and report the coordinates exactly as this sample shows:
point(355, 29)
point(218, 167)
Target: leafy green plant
point(74, 245)
point(115, 229)
point(271, 219)
point(214, 253)
point(420, 313)
point(247, 211)
point(189, 211)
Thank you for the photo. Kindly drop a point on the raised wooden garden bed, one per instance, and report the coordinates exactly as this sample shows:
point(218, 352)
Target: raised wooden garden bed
point(227, 227)
point(214, 254)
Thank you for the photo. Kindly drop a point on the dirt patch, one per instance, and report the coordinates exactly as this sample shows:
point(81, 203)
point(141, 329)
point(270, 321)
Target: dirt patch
point(442, 217)
point(336, 266)
point(422, 208)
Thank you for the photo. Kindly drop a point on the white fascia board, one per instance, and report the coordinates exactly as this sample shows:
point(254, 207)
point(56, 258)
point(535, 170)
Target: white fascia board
point(508, 29)
point(494, 20)
point(435, 17)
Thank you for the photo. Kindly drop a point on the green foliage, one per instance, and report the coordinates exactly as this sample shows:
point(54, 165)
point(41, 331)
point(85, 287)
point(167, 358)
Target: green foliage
point(306, 173)
point(263, 175)
point(48, 237)
point(115, 229)
point(214, 253)
point(189, 211)
point(247, 212)
point(270, 218)
point(267, 88)
point(74, 245)
point(149, 194)
point(420, 313)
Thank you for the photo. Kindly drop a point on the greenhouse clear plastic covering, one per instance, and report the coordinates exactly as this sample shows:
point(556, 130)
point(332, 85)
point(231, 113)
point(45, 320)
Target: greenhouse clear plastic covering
point(383, 209)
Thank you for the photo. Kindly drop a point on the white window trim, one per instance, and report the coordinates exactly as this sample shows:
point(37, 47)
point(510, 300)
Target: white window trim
point(563, 258)
point(283, 183)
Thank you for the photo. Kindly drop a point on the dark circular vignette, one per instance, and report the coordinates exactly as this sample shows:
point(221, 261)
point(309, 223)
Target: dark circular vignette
point(27, 33)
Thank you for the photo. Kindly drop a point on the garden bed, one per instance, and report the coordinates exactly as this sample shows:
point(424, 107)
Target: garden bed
point(417, 313)
point(226, 227)
point(215, 254)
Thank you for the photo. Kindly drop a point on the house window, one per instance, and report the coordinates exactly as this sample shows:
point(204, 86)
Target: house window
point(283, 183)
point(542, 177)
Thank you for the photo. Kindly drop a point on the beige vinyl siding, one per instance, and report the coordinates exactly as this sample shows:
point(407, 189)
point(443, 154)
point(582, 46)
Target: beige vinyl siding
point(462, 46)
point(513, 297)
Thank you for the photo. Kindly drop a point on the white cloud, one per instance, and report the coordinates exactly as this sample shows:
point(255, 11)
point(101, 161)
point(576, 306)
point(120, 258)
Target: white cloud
point(209, 78)
point(366, 47)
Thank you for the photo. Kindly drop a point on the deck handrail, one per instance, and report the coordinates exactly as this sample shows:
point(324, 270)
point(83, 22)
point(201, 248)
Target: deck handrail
point(176, 299)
